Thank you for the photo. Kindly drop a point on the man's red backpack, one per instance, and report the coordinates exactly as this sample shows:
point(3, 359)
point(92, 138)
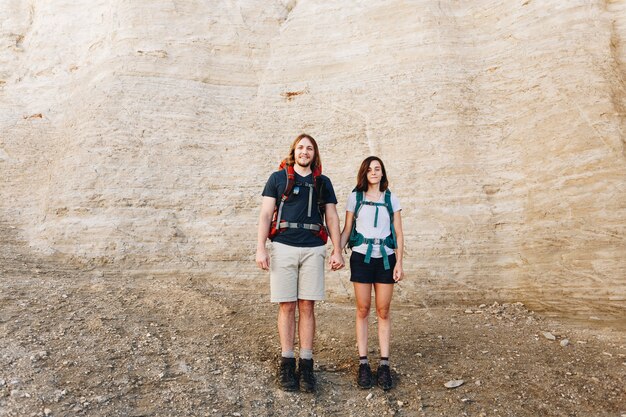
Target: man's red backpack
point(279, 225)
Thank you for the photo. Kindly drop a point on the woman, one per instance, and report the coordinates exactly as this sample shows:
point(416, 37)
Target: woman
point(373, 229)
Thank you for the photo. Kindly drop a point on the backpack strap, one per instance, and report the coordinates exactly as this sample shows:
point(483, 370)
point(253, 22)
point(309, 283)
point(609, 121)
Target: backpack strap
point(360, 195)
point(370, 245)
point(291, 180)
point(391, 225)
point(320, 188)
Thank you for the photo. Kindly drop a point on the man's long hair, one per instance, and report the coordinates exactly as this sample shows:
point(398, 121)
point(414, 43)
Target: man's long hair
point(361, 177)
point(317, 159)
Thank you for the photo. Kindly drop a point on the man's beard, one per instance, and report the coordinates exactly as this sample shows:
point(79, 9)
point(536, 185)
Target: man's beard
point(305, 165)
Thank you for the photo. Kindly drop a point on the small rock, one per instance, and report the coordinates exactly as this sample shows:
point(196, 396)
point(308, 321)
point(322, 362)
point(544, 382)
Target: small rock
point(549, 335)
point(369, 396)
point(468, 311)
point(237, 414)
point(47, 411)
point(482, 306)
point(454, 383)
point(607, 354)
point(400, 403)
point(564, 342)
point(478, 383)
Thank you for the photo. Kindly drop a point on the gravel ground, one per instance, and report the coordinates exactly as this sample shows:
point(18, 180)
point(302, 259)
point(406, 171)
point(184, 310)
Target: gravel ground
point(107, 343)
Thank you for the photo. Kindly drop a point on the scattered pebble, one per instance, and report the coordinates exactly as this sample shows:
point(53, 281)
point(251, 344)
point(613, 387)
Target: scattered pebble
point(468, 311)
point(47, 411)
point(478, 383)
point(454, 383)
point(549, 335)
point(369, 396)
point(564, 342)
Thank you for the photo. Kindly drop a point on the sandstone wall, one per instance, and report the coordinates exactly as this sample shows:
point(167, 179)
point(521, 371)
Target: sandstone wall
point(138, 135)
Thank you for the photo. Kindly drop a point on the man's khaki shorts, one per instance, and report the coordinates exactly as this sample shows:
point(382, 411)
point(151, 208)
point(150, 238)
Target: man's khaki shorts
point(296, 273)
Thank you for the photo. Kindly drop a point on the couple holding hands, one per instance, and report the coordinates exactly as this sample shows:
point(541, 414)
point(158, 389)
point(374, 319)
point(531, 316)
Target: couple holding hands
point(296, 200)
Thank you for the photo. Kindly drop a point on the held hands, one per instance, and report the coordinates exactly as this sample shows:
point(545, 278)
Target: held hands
point(398, 273)
point(336, 261)
point(262, 259)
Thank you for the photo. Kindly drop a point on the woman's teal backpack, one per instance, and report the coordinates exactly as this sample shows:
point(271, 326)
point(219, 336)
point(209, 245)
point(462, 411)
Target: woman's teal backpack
point(357, 239)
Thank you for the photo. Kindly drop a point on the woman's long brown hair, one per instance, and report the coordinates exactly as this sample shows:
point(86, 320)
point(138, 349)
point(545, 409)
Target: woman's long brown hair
point(361, 177)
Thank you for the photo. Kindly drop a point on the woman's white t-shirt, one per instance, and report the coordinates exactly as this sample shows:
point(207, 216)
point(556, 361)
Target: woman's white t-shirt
point(365, 222)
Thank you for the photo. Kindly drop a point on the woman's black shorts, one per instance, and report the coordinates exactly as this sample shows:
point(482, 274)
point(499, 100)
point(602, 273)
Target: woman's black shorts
point(371, 273)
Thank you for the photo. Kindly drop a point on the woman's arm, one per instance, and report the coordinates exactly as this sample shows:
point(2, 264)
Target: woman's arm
point(398, 272)
point(347, 228)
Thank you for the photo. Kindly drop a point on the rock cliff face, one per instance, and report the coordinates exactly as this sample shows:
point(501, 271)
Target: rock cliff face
point(138, 135)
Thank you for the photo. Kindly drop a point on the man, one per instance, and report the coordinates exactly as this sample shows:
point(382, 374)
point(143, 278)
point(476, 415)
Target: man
point(292, 218)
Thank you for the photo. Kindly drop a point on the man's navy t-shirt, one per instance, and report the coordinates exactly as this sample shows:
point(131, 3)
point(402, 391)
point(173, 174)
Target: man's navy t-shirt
point(296, 207)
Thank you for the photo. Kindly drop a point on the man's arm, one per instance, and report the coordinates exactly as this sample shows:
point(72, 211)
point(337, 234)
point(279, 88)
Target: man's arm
point(332, 222)
point(265, 220)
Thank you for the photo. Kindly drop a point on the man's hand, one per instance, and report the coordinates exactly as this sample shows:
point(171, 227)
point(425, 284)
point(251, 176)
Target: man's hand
point(262, 259)
point(336, 261)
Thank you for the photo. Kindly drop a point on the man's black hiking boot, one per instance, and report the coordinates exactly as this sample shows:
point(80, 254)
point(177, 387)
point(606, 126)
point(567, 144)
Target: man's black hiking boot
point(307, 379)
point(287, 379)
point(383, 375)
point(364, 377)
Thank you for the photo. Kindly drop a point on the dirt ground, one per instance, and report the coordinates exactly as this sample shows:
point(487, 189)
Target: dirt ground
point(92, 343)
